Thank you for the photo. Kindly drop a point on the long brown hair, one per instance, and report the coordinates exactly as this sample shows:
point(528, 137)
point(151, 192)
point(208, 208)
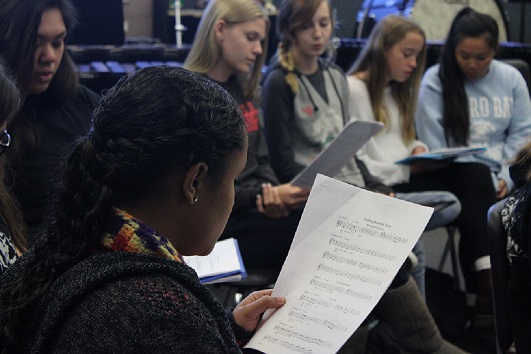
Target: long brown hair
point(373, 60)
point(19, 24)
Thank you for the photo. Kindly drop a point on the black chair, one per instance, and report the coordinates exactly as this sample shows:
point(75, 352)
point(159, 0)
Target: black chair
point(450, 249)
point(522, 67)
point(499, 271)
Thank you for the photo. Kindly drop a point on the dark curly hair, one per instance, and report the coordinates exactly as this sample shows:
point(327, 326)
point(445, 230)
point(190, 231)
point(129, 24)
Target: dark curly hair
point(151, 123)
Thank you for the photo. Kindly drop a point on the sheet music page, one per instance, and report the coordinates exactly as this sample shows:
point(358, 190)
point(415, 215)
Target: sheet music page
point(348, 247)
point(343, 148)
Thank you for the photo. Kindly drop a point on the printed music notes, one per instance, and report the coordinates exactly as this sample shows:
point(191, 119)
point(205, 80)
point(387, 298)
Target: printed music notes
point(348, 247)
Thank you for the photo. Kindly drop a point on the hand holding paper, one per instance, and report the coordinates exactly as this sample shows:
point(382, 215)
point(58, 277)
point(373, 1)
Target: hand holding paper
point(348, 247)
point(248, 312)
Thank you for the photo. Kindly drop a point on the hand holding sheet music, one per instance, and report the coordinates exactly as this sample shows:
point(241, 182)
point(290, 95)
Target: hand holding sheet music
point(348, 247)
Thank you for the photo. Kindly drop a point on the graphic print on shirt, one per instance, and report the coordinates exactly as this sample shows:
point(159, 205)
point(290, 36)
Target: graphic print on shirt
point(488, 116)
point(8, 254)
point(495, 107)
point(250, 117)
point(308, 110)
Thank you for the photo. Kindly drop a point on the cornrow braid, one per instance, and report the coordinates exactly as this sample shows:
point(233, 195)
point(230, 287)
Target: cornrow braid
point(151, 123)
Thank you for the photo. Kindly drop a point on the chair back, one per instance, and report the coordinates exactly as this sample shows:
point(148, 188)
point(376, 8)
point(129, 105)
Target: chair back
point(522, 67)
point(499, 271)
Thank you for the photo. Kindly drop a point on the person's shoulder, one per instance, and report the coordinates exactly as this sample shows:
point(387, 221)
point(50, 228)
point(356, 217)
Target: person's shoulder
point(334, 67)
point(86, 96)
point(431, 77)
point(500, 64)
point(114, 269)
point(432, 72)
point(356, 84)
point(505, 69)
point(274, 72)
point(274, 79)
point(337, 73)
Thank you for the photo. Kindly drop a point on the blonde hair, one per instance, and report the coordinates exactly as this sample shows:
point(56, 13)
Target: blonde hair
point(206, 51)
point(373, 60)
point(293, 14)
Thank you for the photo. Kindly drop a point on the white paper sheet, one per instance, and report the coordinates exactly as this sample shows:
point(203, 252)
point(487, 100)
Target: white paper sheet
point(223, 264)
point(348, 247)
point(343, 148)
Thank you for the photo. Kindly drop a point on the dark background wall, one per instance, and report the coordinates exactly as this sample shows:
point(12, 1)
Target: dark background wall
point(346, 12)
point(148, 23)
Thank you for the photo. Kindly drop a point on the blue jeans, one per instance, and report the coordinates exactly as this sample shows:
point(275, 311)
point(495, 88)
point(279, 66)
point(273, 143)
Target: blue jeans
point(439, 218)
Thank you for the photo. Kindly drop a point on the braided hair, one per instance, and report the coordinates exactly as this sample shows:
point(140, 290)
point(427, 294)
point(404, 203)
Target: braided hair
point(149, 124)
point(293, 14)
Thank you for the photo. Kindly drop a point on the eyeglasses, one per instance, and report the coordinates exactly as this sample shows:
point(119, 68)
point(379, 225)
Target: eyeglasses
point(5, 140)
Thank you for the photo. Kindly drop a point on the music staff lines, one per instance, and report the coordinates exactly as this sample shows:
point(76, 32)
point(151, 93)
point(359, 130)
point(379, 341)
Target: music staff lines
point(349, 261)
point(339, 289)
point(332, 325)
point(328, 304)
point(285, 332)
point(350, 247)
point(291, 346)
point(353, 228)
point(348, 275)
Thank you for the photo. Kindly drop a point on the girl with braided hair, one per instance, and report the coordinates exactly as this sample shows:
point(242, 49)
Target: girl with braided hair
point(306, 105)
point(151, 181)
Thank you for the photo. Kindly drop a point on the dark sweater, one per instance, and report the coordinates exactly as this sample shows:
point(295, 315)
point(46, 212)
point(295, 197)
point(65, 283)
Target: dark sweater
point(127, 302)
point(257, 170)
point(57, 127)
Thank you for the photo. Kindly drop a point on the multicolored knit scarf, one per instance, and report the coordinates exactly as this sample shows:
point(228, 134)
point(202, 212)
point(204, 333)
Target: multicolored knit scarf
point(126, 234)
